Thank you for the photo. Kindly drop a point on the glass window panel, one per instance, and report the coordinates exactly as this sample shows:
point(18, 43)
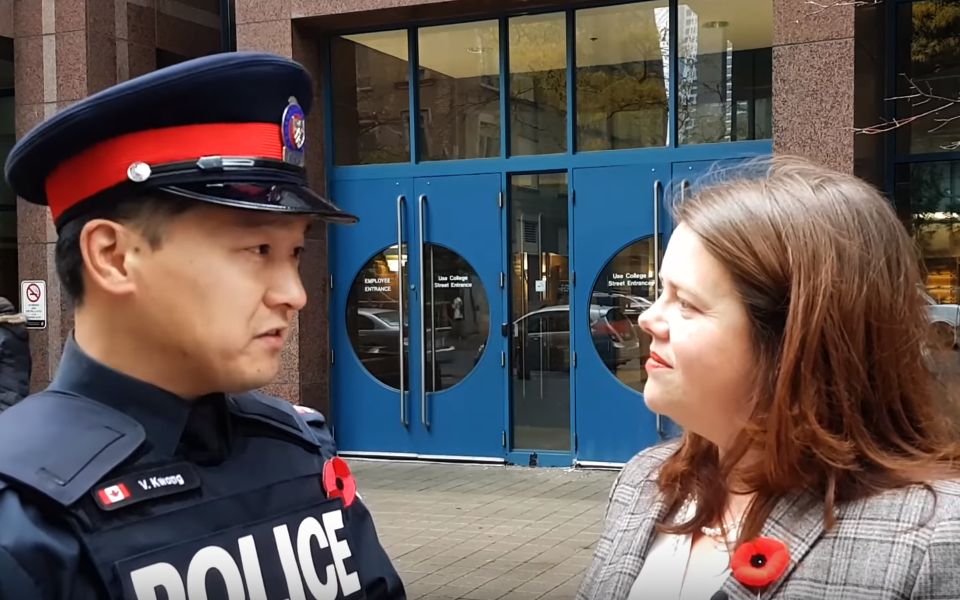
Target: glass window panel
point(371, 101)
point(928, 200)
point(538, 84)
point(540, 312)
point(724, 70)
point(623, 290)
point(928, 54)
point(458, 321)
point(459, 91)
point(373, 317)
point(622, 69)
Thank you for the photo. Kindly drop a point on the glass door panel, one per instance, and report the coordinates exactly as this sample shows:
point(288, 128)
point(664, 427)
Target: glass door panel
point(540, 313)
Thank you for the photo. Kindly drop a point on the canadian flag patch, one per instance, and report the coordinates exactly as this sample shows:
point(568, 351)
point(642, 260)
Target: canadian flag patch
point(113, 494)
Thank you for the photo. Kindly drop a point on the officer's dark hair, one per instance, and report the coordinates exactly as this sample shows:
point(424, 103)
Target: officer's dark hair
point(148, 213)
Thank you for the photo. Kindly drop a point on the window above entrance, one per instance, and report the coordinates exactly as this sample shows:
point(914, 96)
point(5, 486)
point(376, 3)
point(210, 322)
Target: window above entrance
point(630, 75)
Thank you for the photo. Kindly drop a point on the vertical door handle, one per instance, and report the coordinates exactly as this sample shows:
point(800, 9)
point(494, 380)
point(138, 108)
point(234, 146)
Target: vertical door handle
point(433, 335)
point(424, 416)
point(404, 420)
point(657, 189)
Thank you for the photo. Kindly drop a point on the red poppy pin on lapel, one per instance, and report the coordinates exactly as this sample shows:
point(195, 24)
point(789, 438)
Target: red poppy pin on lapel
point(338, 481)
point(760, 562)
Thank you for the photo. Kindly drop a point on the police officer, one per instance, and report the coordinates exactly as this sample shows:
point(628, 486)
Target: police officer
point(149, 469)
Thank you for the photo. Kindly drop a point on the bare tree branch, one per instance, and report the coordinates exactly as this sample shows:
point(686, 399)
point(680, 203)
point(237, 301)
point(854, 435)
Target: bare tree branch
point(822, 6)
point(919, 95)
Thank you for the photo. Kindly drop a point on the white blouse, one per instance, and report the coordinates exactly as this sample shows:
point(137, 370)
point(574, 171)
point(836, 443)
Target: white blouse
point(664, 572)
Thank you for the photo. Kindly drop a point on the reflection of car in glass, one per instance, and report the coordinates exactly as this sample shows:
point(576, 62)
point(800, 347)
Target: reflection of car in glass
point(621, 300)
point(632, 306)
point(944, 322)
point(377, 343)
point(541, 339)
point(378, 331)
point(378, 328)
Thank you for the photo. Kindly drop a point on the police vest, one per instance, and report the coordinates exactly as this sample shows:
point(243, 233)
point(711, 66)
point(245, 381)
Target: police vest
point(257, 526)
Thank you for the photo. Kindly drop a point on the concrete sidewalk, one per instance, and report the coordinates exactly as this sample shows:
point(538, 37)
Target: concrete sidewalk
point(485, 532)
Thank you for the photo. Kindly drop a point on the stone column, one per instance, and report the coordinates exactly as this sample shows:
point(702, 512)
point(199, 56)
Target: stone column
point(813, 82)
point(66, 50)
point(50, 70)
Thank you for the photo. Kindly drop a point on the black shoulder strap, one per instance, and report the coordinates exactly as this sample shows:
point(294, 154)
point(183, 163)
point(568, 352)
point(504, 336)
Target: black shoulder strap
point(60, 444)
point(271, 411)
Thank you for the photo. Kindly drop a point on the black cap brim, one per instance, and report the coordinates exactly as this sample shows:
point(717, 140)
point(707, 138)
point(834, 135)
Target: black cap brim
point(277, 198)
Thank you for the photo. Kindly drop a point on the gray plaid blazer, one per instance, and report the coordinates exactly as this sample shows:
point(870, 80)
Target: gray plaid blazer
point(901, 544)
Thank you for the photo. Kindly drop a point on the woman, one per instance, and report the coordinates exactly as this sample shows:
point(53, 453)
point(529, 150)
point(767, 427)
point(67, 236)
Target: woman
point(14, 356)
point(788, 344)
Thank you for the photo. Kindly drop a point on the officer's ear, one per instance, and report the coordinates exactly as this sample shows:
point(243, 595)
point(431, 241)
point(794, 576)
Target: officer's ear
point(107, 248)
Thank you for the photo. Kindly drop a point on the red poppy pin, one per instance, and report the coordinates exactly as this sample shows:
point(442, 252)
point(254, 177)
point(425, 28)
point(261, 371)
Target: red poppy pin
point(760, 562)
point(338, 482)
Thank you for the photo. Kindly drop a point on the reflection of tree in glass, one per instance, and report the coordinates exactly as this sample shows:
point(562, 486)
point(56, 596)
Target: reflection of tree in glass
point(928, 85)
point(460, 108)
point(935, 63)
point(635, 88)
point(371, 103)
point(538, 83)
point(932, 206)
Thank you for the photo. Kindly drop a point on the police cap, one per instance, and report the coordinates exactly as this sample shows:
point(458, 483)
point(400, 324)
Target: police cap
point(229, 129)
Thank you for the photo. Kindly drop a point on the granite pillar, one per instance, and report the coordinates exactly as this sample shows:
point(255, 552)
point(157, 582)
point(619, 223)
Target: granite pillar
point(813, 77)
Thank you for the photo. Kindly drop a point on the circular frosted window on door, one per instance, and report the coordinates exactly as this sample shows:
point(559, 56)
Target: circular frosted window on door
point(456, 317)
point(377, 331)
point(623, 290)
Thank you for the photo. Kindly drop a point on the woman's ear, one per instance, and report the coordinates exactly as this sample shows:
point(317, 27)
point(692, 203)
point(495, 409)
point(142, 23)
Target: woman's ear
point(105, 247)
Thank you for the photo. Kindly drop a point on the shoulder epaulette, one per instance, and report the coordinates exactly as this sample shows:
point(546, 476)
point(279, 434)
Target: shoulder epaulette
point(60, 444)
point(271, 411)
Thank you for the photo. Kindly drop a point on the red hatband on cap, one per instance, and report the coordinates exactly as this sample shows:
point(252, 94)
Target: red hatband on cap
point(105, 164)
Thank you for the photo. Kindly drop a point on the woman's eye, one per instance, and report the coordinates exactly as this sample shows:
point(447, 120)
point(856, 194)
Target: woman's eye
point(684, 305)
point(262, 249)
point(297, 252)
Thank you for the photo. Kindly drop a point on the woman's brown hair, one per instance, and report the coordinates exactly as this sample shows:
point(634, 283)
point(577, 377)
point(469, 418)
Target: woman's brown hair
point(843, 401)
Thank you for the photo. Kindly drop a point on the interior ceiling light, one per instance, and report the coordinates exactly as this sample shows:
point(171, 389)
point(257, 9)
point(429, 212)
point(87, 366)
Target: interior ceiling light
point(715, 24)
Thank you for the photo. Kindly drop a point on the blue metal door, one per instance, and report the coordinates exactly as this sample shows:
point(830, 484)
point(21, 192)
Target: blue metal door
point(417, 305)
point(460, 355)
point(690, 176)
point(619, 220)
point(370, 343)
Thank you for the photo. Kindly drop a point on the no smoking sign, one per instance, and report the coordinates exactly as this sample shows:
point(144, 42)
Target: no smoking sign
point(33, 302)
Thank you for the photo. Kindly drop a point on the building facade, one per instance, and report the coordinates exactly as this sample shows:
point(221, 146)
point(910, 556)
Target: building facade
point(485, 306)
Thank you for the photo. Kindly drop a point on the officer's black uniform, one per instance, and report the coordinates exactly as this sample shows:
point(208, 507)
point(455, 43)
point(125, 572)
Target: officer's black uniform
point(113, 488)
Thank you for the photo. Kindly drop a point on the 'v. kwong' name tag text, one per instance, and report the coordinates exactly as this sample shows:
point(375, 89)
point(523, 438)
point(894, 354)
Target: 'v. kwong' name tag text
point(146, 485)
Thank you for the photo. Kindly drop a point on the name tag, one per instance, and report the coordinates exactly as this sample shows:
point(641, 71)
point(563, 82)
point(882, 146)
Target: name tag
point(302, 555)
point(146, 485)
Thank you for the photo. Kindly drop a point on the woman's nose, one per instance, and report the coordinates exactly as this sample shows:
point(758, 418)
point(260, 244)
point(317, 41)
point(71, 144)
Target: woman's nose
point(651, 320)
